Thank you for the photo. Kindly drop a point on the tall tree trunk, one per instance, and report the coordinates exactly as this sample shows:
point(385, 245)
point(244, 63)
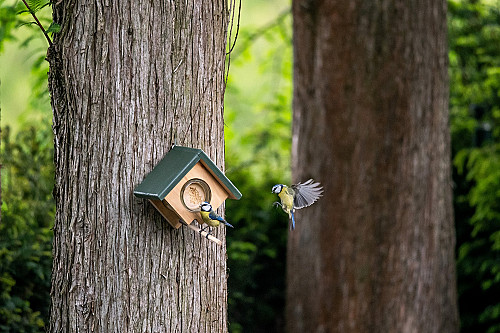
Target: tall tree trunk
point(376, 253)
point(127, 78)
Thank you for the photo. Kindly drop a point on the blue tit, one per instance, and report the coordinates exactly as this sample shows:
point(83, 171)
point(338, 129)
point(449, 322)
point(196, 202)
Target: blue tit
point(210, 217)
point(297, 196)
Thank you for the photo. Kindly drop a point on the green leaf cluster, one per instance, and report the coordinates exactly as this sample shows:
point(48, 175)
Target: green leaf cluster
point(15, 14)
point(8, 21)
point(474, 41)
point(258, 142)
point(25, 229)
point(27, 180)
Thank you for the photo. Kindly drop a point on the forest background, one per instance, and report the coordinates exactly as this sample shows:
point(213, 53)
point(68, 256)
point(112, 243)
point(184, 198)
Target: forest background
point(258, 139)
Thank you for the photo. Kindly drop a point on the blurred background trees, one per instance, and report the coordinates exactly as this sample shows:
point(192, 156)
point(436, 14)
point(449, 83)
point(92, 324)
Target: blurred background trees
point(27, 175)
point(258, 140)
point(25, 235)
point(474, 55)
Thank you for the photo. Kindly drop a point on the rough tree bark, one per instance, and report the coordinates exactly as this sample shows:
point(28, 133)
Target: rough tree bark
point(376, 253)
point(126, 78)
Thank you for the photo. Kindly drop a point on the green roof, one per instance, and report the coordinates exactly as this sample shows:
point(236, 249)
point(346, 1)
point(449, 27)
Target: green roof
point(175, 165)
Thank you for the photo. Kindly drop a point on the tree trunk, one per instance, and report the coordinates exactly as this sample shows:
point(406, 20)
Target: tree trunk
point(376, 253)
point(127, 79)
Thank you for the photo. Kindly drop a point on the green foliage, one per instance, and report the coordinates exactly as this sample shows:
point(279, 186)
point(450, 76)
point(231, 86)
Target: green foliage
point(36, 5)
point(7, 22)
point(256, 251)
point(53, 28)
point(474, 38)
point(27, 205)
point(257, 247)
point(36, 104)
point(258, 142)
point(25, 237)
point(16, 14)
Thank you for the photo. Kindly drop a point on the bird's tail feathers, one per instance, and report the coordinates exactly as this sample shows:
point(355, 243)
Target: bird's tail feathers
point(229, 225)
point(293, 220)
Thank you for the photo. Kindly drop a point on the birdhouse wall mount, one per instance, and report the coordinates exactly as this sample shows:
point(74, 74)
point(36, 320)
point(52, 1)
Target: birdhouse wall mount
point(183, 179)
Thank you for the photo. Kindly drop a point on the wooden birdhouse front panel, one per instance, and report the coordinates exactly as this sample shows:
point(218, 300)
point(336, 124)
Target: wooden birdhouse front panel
point(182, 180)
point(186, 199)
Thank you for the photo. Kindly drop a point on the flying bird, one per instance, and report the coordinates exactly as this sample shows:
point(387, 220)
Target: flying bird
point(210, 217)
point(297, 196)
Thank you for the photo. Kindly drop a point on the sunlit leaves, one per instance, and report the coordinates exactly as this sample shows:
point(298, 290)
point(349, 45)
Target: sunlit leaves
point(258, 142)
point(53, 28)
point(25, 236)
point(7, 21)
point(474, 30)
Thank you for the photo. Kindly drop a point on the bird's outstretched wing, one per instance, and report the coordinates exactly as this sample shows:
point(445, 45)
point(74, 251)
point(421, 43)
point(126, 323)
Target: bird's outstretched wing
point(306, 193)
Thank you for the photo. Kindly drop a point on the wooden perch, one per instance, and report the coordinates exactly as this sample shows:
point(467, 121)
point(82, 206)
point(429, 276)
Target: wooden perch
point(203, 233)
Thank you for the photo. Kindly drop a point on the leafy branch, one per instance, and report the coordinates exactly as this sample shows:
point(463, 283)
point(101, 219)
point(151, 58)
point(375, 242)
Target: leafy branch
point(32, 10)
point(250, 38)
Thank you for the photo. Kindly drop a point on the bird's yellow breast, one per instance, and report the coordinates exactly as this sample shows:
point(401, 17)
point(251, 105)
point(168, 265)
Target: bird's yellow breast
point(208, 220)
point(286, 199)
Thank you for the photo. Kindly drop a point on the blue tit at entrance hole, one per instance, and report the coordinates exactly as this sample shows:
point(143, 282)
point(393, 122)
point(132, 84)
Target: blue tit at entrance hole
point(210, 217)
point(297, 196)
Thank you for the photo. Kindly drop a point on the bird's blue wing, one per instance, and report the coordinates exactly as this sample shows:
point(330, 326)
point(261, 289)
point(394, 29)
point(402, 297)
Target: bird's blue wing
point(214, 216)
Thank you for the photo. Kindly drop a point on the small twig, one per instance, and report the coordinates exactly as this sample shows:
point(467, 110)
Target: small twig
point(38, 22)
point(237, 28)
point(228, 54)
point(247, 42)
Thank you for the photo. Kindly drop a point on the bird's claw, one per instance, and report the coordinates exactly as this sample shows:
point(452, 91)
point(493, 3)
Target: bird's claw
point(209, 232)
point(276, 204)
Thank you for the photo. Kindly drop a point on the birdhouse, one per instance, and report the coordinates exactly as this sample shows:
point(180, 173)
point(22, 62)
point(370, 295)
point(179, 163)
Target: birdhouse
point(182, 180)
